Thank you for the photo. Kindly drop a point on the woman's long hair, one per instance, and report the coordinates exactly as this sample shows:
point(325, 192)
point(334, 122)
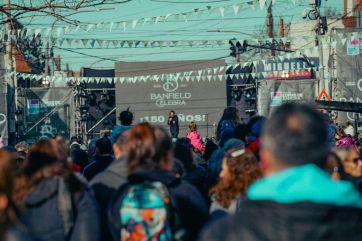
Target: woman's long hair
point(45, 159)
point(243, 170)
point(8, 214)
point(146, 147)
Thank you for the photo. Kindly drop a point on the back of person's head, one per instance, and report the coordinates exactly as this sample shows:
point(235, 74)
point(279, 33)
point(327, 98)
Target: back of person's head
point(334, 167)
point(7, 208)
point(41, 154)
point(240, 169)
point(183, 152)
point(22, 147)
point(79, 157)
point(230, 113)
point(73, 139)
point(126, 117)
point(104, 146)
point(296, 134)
point(210, 148)
point(148, 147)
point(192, 127)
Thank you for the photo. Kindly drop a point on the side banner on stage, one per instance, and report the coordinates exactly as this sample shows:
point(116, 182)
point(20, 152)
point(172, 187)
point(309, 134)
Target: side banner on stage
point(273, 93)
point(48, 113)
point(3, 108)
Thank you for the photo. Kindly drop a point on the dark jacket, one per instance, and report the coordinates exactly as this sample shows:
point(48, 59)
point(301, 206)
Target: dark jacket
point(49, 213)
point(198, 177)
point(19, 233)
point(191, 207)
point(104, 186)
point(97, 165)
point(304, 221)
point(174, 125)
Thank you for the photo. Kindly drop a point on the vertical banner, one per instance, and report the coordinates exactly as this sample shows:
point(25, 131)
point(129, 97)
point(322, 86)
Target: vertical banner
point(349, 76)
point(273, 93)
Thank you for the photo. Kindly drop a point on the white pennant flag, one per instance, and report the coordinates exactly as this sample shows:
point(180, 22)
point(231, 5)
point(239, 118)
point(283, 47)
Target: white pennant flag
point(167, 16)
point(262, 3)
point(236, 9)
point(111, 26)
point(84, 41)
point(222, 12)
point(124, 25)
point(157, 19)
point(122, 79)
point(145, 20)
point(90, 26)
point(100, 42)
point(69, 41)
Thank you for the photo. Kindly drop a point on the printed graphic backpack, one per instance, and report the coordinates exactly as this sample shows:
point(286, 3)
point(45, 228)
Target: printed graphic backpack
point(147, 214)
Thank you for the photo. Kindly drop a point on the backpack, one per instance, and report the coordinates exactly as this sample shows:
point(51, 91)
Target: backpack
point(146, 213)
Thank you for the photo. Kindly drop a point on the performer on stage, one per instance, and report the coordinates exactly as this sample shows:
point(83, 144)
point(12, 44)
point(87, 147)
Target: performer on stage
point(173, 123)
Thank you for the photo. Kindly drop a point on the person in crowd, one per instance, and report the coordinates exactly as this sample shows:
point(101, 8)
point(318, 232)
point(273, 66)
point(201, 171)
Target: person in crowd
point(240, 132)
point(295, 196)
point(102, 159)
point(240, 169)
point(57, 205)
point(334, 166)
point(345, 140)
point(149, 155)
point(254, 128)
point(195, 137)
point(209, 148)
point(107, 182)
point(21, 151)
point(215, 162)
point(352, 164)
point(173, 123)
point(126, 119)
point(11, 226)
point(331, 131)
point(349, 129)
point(178, 168)
point(79, 160)
point(226, 126)
point(194, 173)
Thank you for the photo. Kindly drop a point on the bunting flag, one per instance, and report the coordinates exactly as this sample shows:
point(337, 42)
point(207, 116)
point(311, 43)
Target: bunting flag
point(210, 74)
point(132, 23)
point(336, 39)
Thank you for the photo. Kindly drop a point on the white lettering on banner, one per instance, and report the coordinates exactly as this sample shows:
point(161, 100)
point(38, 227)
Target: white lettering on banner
point(2, 118)
point(359, 84)
point(160, 119)
point(169, 97)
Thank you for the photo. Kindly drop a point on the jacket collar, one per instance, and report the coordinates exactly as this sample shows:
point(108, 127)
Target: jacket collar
point(166, 177)
point(306, 183)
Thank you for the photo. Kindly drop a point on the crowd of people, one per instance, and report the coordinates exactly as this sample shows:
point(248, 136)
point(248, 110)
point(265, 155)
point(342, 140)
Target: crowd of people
point(293, 176)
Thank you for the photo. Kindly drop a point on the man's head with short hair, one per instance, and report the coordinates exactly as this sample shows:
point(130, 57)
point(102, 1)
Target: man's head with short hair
point(104, 146)
point(296, 134)
point(126, 117)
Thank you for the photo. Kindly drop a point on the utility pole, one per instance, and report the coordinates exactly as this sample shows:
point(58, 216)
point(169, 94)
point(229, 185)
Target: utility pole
point(10, 82)
point(320, 46)
point(271, 28)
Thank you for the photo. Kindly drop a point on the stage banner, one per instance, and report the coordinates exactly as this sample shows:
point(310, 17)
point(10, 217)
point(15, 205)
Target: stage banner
point(202, 102)
point(192, 100)
point(3, 109)
point(349, 76)
point(48, 112)
point(273, 93)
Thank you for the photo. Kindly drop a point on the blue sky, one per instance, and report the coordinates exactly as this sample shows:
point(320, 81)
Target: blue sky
point(247, 21)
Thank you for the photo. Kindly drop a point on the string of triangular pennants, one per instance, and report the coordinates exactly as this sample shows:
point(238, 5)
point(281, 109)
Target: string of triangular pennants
point(132, 24)
point(339, 38)
point(210, 74)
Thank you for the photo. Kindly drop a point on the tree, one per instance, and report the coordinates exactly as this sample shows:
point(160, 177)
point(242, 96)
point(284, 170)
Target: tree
point(60, 10)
